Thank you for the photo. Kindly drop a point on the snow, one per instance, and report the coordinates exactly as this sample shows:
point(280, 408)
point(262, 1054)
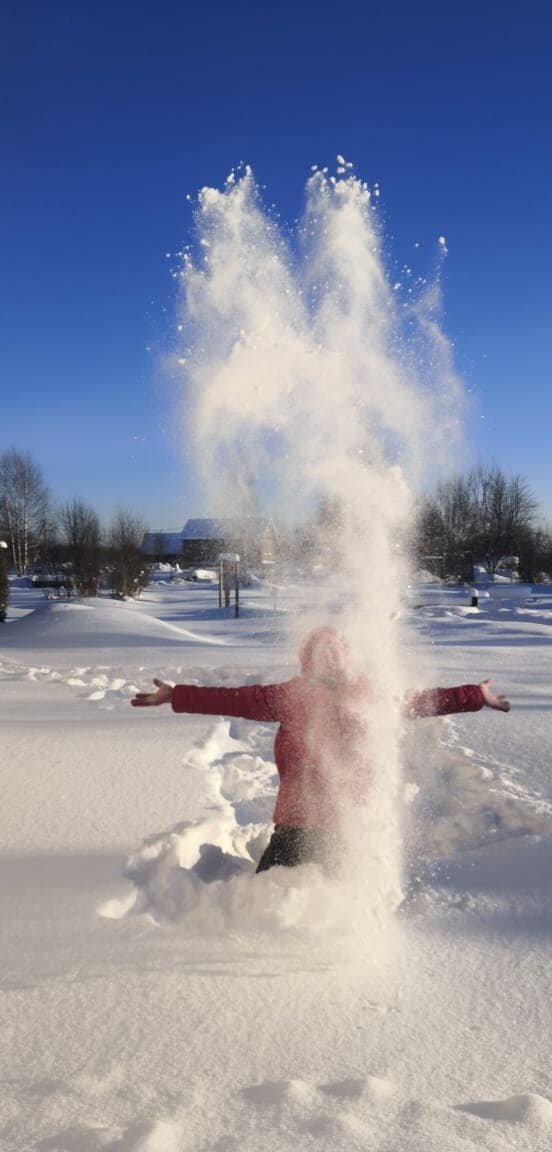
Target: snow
point(205, 575)
point(159, 997)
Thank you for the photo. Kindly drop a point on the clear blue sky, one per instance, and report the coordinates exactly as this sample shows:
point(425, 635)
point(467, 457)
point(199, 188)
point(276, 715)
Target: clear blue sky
point(112, 112)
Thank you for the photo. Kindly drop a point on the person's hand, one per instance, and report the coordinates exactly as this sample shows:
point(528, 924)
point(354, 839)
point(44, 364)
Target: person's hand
point(492, 701)
point(163, 695)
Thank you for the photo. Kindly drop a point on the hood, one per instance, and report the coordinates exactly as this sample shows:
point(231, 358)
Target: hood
point(324, 653)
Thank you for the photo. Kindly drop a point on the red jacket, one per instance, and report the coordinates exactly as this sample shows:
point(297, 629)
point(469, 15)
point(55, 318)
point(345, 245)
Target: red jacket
point(322, 734)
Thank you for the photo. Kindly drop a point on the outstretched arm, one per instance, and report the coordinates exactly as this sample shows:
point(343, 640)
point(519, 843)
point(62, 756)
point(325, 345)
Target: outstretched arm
point(250, 702)
point(445, 701)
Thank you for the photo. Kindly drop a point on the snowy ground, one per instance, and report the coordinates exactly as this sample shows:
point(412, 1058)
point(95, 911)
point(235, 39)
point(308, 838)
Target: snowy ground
point(145, 1009)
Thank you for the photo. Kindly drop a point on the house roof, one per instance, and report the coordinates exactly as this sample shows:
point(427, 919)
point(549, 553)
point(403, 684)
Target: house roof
point(171, 542)
point(204, 529)
point(234, 529)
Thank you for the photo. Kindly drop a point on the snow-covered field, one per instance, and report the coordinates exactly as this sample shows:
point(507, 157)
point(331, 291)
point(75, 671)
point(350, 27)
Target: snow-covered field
point(157, 997)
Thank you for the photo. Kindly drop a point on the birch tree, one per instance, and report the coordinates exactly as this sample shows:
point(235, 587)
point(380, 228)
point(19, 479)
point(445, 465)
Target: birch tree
point(25, 514)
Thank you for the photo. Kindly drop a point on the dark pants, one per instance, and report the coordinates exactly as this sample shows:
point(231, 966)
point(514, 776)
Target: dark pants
point(292, 846)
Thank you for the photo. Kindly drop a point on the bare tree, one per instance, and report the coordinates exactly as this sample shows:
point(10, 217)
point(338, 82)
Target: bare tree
point(505, 510)
point(25, 511)
point(482, 512)
point(129, 572)
point(427, 538)
point(81, 528)
point(4, 585)
point(535, 555)
point(329, 528)
point(444, 529)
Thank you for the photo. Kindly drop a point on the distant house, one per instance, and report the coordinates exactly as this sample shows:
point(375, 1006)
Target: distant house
point(255, 540)
point(201, 541)
point(162, 546)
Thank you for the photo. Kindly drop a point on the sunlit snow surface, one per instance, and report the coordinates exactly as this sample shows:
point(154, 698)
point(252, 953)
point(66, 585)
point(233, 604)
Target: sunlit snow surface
point(157, 996)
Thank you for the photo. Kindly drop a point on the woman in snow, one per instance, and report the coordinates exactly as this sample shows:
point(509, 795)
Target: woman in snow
point(320, 740)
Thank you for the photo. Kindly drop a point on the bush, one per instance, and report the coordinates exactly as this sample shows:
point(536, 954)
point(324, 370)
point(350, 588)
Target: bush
point(129, 574)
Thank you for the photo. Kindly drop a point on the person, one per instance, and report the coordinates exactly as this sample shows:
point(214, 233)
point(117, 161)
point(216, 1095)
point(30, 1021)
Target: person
point(320, 746)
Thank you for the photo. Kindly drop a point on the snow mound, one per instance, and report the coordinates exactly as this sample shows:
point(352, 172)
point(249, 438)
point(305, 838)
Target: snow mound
point(424, 576)
point(202, 872)
point(102, 624)
point(221, 892)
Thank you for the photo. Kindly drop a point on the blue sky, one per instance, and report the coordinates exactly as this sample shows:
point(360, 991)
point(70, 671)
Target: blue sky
point(111, 113)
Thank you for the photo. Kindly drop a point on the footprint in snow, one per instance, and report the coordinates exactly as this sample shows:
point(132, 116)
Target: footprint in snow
point(151, 1136)
point(353, 1088)
point(103, 686)
point(299, 1095)
point(340, 1113)
point(118, 906)
point(278, 1092)
point(525, 1108)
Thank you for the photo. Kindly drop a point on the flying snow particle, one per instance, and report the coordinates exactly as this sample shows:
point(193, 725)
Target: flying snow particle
point(442, 241)
point(341, 160)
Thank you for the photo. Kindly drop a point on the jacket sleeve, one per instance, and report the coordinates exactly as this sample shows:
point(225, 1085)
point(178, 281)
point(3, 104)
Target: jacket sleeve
point(251, 702)
point(444, 701)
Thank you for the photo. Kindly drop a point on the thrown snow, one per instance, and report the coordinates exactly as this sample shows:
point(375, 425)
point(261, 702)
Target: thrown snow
point(158, 997)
